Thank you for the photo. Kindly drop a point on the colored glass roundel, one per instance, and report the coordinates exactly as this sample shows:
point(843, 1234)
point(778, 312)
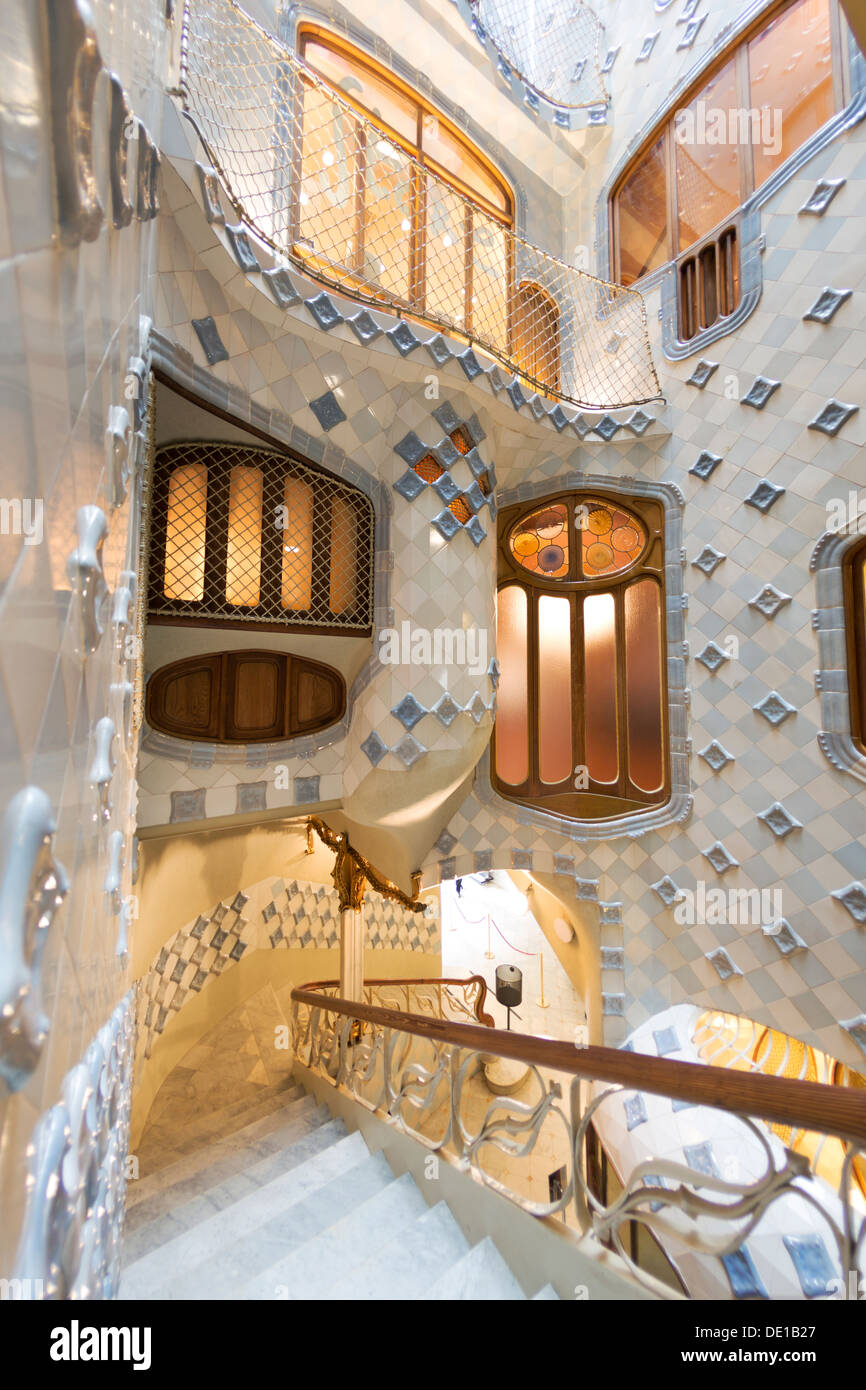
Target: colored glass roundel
point(539, 542)
point(612, 540)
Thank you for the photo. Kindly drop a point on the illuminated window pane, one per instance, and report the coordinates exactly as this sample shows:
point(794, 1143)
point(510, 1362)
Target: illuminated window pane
point(539, 542)
point(791, 82)
point(453, 157)
point(643, 681)
point(536, 335)
point(297, 563)
point(489, 279)
point(244, 550)
point(642, 217)
point(185, 532)
point(512, 717)
point(362, 85)
point(344, 556)
point(708, 157)
point(445, 251)
point(554, 688)
point(388, 217)
point(328, 186)
point(600, 694)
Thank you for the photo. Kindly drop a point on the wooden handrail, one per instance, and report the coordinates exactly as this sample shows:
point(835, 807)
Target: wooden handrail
point(809, 1105)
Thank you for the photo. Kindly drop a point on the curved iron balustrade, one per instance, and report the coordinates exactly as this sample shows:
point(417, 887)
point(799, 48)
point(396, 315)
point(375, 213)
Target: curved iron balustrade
point(422, 1072)
point(328, 190)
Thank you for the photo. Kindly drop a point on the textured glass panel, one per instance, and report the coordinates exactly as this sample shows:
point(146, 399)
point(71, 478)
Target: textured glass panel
point(791, 81)
point(244, 551)
point(512, 717)
point(385, 103)
point(644, 684)
point(539, 542)
point(445, 251)
point(453, 157)
point(708, 157)
point(642, 216)
point(489, 279)
point(297, 565)
point(611, 539)
point(185, 532)
point(344, 556)
point(328, 188)
point(387, 217)
point(554, 688)
point(600, 694)
point(536, 335)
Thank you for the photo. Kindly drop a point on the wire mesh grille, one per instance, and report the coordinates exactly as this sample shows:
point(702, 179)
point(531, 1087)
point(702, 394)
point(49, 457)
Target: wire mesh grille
point(247, 535)
point(552, 45)
point(334, 193)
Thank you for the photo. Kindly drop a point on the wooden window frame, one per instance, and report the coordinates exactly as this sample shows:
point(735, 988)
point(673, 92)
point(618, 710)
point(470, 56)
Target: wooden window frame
point(416, 301)
point(855, 641)
point(738, 51)
point(222, 666)
point(600, 801)
point(351, 53)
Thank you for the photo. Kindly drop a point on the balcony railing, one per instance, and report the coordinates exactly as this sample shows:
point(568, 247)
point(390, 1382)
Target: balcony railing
point(708, 1189)
point(554, 48)
point(329, 191)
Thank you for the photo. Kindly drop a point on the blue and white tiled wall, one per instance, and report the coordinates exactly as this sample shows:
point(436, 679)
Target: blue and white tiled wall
point(75, 261)
point(269, 915)
point(753, 470)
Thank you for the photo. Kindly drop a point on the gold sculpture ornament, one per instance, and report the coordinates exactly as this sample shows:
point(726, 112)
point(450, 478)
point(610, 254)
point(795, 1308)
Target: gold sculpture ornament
point(352, 872)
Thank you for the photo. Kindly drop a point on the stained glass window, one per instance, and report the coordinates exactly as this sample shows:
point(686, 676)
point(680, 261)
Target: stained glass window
point(580, 728)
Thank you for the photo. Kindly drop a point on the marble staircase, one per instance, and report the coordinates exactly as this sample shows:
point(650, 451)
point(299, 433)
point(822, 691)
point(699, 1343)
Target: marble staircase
point(267, 1196)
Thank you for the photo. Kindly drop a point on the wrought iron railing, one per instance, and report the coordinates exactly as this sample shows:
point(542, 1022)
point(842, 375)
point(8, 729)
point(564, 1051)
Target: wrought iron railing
point(426, 1076)
point(330, 191)
point(461, 1001)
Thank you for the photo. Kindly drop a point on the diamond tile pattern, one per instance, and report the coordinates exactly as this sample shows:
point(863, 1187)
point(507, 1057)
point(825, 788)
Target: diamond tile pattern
point(773, 756)
point(266, 916)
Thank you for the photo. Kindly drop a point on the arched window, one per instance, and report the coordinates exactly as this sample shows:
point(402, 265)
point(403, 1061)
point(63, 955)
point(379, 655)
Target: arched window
point(419, 239)
point(252, 537)
point(535, 334)
point(581, 716)
point(854, 579)
point(677, 200)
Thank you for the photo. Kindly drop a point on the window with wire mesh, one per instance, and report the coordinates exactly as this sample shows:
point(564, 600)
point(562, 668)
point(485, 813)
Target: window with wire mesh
point(250, 536)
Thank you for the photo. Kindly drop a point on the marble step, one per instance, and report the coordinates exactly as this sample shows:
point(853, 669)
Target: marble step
point(223, 1157)
point(203, 1116)
point(190, 1204)
point(216, 1125)
point(410, 1264)
point(312, 1270)
point(480, 1276)
point(170, 1265)
point(285, 1232)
